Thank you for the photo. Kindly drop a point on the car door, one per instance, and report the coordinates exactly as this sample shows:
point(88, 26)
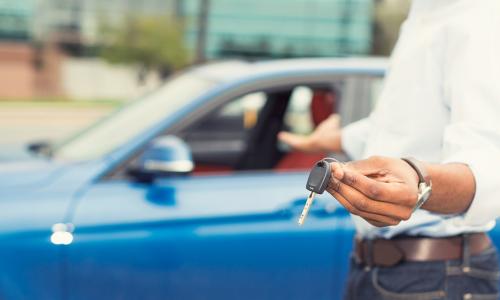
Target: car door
point(219, 237)
point(224, 236)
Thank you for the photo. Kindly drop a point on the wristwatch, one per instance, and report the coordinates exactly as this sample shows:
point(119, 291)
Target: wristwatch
point(424, 181)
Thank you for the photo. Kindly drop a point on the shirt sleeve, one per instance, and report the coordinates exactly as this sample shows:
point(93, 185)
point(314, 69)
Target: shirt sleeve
point(353, 138)
point(472, 91)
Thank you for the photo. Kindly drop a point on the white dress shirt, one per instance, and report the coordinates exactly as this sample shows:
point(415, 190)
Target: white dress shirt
point(440, 103)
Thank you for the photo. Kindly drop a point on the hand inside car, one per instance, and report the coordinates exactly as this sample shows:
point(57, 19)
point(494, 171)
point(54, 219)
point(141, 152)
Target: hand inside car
point(381, 190)
point(325, 138)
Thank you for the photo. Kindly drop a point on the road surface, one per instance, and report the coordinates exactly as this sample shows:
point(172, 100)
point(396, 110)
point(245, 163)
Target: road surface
point(20, 124)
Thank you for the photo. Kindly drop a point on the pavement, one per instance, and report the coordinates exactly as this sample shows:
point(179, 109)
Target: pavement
point(21, 124)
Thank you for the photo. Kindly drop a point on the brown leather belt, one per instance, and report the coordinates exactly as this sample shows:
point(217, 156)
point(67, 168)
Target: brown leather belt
point(385, 253)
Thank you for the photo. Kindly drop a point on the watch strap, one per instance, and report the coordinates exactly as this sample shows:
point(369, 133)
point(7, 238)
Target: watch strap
point(423, 176)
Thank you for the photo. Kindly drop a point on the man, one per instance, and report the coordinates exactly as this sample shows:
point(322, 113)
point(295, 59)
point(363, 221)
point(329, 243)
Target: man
point(421, 223)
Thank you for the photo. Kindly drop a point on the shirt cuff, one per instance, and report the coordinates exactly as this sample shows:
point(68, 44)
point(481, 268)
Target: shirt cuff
point(485, 206)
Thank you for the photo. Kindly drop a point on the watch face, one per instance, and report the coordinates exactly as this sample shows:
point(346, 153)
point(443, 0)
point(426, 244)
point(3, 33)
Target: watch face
point(426, 195)
point(423, 195)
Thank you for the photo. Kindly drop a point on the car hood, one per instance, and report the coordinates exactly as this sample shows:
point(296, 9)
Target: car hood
point(37, 193)
point(10, 152)
point(31, 173)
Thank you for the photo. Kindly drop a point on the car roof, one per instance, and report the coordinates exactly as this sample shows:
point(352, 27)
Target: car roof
point(225, 71)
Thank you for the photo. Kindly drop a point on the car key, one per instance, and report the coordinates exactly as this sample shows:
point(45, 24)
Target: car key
point(318, 181)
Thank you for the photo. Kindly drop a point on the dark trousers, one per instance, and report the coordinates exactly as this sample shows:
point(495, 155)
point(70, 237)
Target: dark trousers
point(472, 277)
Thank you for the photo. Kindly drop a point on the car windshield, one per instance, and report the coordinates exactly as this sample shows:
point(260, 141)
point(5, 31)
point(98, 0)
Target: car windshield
point(133, 119)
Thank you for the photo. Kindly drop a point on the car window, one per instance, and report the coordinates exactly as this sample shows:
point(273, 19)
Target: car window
point(298, 115)
point(308, 107)
point(241, 133)
point(352, 97)
point(219, 140)
point(244, 110)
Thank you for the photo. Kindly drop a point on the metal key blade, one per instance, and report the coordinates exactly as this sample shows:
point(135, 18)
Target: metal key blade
point(305, 211)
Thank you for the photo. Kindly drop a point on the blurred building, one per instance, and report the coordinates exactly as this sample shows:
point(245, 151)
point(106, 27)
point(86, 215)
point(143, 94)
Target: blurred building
point(75, 24)
point(16, 56)
point(45, 45)
point(279, 28)
point(15, 19)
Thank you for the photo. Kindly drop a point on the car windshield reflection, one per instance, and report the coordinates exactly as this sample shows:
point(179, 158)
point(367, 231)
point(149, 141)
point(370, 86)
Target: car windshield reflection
point(132, 120)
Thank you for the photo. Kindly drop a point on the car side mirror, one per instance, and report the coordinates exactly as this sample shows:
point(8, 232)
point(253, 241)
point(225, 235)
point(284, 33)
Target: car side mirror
point(165, 156)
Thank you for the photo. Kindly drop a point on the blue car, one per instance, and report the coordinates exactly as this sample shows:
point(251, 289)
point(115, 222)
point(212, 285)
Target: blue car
point(186, 193)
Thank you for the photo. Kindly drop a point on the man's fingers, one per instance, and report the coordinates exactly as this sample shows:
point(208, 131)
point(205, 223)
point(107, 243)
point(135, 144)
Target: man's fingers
point(373, 166)
point(298, 142)
point(375, 223)
point(374, 219)
point(364, 204)
point(393, 192)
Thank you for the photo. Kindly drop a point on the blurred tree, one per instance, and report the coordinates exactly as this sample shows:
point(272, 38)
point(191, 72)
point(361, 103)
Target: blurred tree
point(389, 14)
point(155, 43)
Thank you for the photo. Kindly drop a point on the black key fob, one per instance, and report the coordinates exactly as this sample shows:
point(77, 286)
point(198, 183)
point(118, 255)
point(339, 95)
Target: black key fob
point(319, 177)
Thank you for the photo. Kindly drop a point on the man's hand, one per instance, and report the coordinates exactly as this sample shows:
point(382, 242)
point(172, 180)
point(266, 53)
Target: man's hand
point(381, 190)
point(325, 138)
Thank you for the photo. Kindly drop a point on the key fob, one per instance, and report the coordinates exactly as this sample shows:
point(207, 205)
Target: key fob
point(319, 177)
